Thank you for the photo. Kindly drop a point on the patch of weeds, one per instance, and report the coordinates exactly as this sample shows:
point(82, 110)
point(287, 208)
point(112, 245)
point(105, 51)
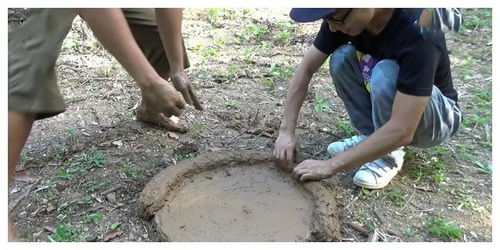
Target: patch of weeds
point(213, 15)
point(85, 164)
point(409, 232)
point(209, 52)
point(231, 104)
point(321, 103)
point(465, 67)
point(269, 82)
point(49, 191)
point(439, 226)
point(281, 71)
point(465, 200)
point(481, 112)
point(23, 158)
point(366, 221)
point(198, 127)
point(67, 233)
point(254, 32)
point(179, 156)
point(287, 30)
point(343, 128)
point(395, 195)
point(66, 173)
point(93, 187)
point(95, 218)
point(432, 170)
point(478, 18)
point(87, 200)
point(132, 171)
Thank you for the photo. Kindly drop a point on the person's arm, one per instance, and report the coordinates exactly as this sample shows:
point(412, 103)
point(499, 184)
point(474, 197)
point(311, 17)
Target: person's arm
point(398, 131)
point(170, 28)
point(111, 29)
point(286, 142)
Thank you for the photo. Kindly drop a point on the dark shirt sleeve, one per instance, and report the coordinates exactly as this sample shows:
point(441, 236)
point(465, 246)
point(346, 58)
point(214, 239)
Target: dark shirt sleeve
point(417, 66)
point(327, 41)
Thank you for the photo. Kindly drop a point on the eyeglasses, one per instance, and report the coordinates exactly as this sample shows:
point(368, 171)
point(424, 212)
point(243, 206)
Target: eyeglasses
point(341, 21)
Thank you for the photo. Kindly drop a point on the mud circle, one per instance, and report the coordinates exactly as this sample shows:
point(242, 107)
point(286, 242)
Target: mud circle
point(242, 196)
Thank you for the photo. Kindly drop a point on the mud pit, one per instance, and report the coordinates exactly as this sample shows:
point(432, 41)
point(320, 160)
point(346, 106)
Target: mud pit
point(238, 196)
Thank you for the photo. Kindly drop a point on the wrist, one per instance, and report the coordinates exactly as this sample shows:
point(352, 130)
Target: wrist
point(147, 81)
point(334, 165)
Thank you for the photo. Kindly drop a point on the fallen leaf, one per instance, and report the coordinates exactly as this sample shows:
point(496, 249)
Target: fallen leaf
point(172, 135)
point(50, 229)
point(112, 234)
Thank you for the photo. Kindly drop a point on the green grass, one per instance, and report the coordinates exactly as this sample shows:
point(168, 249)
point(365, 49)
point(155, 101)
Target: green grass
point(480, 112)
point(321, 103)
point(439, 226)
point(87, 200)
point(132, 171)
point(231, 104)
point(95, 218)
point(67, 233)
point(396, 196)
point(343, 129)
point(476, 18)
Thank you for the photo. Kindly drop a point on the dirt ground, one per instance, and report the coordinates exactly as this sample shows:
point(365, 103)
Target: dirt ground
point(81, 172)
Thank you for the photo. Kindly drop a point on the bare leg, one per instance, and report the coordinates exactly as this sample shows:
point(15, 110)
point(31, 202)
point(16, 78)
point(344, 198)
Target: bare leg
point(144, 114)
point(19, 130)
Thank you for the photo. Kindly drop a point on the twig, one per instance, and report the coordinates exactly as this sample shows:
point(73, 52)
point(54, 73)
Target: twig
point(111, 190)
point(409, 199)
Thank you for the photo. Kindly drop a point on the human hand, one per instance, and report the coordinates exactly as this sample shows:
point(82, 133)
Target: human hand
point(183, 85)
point(313, 170)
point(285, 150)
point(160, 97)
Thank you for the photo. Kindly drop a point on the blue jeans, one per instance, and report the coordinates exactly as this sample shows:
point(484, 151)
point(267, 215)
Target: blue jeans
point(368, 111)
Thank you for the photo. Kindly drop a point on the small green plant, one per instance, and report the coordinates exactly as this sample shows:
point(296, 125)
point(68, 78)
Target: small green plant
point(441, 227)
point(198, 127)
point(87, 200)
point(254, 31)
point(395, 195)
point(213, 15)
point(132, 171)
point(409, 232)
point(269, 82)
point(343, 128)
point(179, 156)
point(66, 173)
point(464, 199)
point(432, 170)
point(94, 218)
point(365, 191)
point(92, 187)
point(65, 233)
point(321, 103)
point(231, 104)
point(115, 225)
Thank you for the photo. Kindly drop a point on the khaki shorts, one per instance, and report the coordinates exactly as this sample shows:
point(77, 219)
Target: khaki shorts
point(35, 45)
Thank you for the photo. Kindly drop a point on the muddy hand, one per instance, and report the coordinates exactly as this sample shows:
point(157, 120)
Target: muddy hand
point(161, 97)
point(183, 85)
point(285, 150)
point(312, 170)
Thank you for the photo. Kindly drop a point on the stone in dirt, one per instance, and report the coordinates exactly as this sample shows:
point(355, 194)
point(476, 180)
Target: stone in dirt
point(256, 202)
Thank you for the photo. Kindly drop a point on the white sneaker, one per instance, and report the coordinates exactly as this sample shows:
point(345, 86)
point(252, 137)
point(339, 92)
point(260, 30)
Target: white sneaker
point(338, 147)
point(378, 173)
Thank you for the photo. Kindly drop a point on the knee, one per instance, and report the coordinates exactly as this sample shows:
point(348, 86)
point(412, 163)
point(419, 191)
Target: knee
point(384, 78)
point(339, 58)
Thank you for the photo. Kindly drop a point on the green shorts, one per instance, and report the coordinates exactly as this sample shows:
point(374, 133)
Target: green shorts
point(35, 45)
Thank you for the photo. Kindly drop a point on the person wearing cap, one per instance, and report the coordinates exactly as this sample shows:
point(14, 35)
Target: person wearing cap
point(147, 43)
point(394, 79)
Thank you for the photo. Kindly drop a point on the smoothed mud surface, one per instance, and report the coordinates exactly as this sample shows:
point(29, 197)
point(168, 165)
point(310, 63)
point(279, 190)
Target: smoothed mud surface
point(237, 196)
point(245, 203)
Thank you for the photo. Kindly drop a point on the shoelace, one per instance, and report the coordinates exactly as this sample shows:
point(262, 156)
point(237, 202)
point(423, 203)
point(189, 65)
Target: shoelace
point(369, 167)
point(350, 142)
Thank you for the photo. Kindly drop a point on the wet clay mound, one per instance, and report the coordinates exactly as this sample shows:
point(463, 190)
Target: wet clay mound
point(238, 196)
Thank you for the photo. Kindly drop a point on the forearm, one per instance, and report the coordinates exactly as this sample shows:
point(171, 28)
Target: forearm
point(381, 142)
point(111, 29)
point(294, 100)
point(170, 28)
